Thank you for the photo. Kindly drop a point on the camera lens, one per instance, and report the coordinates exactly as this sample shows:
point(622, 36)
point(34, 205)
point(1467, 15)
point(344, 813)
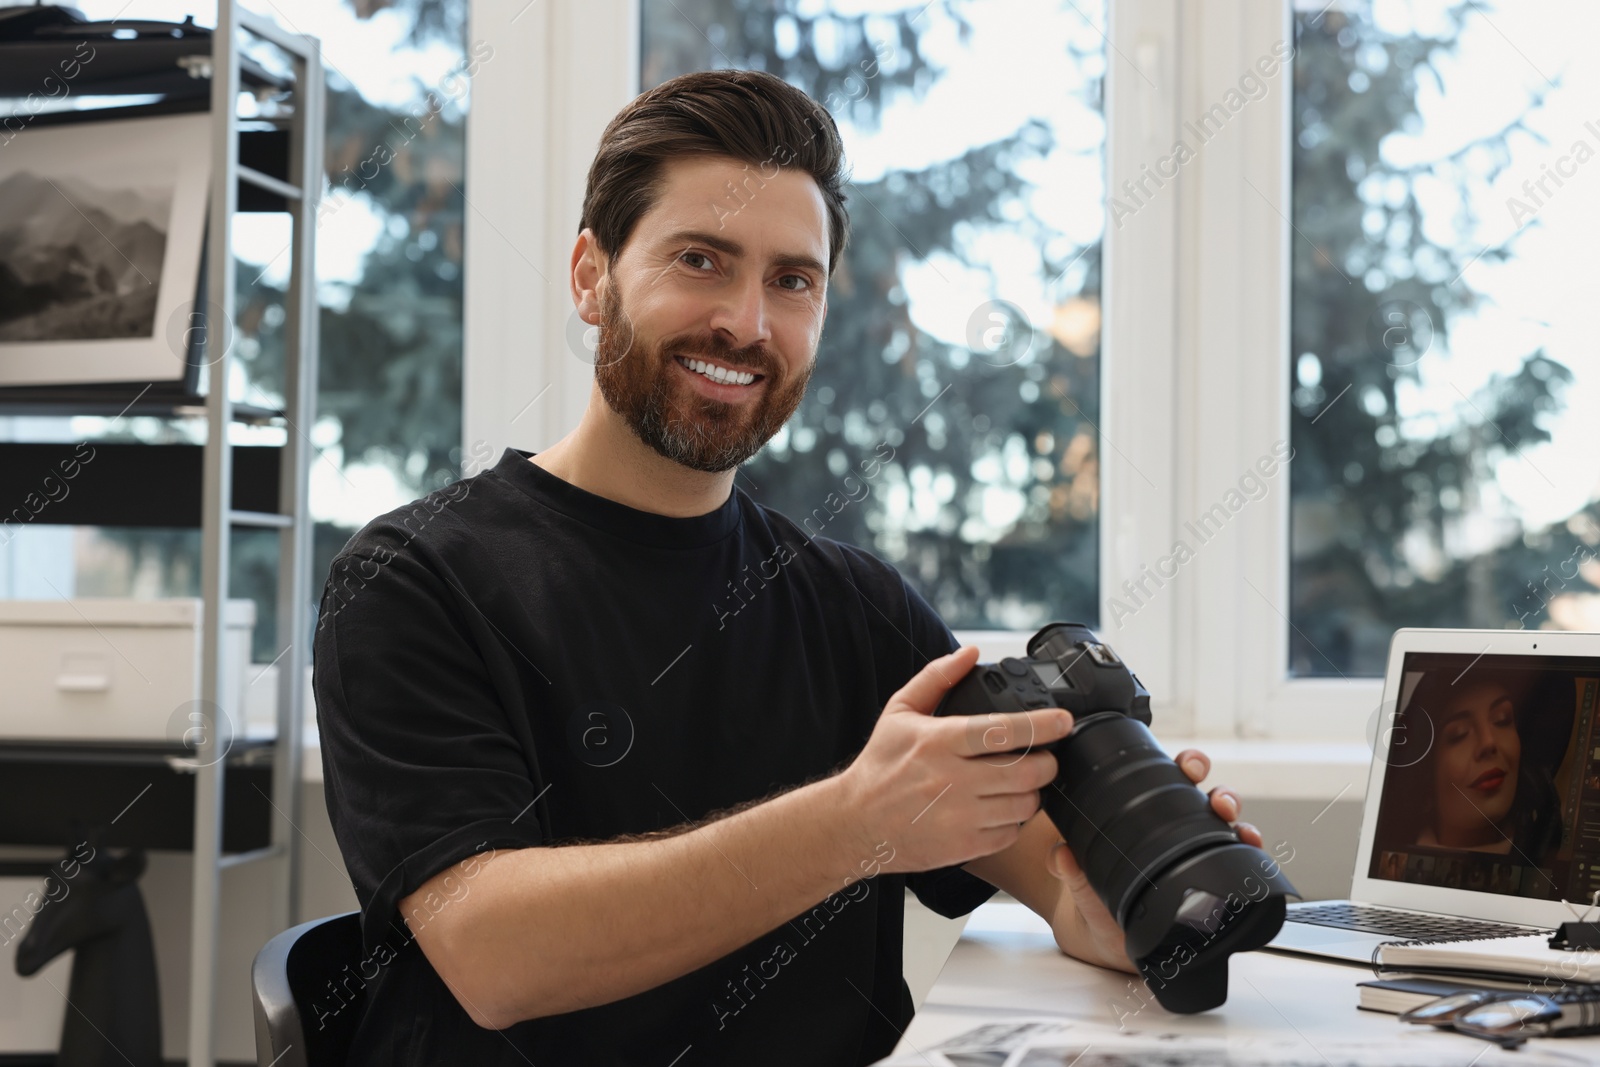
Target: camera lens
point(1126, 809)
point(1184, 889)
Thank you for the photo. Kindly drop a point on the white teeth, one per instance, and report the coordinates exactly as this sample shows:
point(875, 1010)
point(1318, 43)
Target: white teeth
point(718, 374)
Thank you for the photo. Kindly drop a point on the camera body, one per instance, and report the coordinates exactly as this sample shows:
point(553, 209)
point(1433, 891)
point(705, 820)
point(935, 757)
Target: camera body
point(1183, 887)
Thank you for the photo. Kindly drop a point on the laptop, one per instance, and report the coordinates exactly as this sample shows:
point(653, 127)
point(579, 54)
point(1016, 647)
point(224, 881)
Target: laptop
point(1482, 815)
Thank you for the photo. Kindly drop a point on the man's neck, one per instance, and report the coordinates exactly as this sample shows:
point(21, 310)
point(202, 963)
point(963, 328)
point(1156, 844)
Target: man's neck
point(604, 457)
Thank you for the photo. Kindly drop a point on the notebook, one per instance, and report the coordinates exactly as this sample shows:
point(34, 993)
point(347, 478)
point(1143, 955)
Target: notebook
point(1395, 995)
point(1525, 957)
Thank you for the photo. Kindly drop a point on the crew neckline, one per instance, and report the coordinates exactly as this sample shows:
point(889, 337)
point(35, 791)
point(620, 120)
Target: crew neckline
point(609, 516)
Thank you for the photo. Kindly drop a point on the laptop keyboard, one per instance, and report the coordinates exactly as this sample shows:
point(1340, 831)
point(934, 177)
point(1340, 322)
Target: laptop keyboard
point(1409, 925)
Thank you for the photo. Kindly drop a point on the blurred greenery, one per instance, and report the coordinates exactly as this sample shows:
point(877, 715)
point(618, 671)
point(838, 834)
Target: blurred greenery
point(1374, 509)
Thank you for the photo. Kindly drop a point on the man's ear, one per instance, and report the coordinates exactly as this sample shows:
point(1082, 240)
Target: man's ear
point(589, 267)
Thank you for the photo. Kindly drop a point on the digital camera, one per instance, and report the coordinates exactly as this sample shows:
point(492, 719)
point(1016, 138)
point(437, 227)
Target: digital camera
point(1185, 890)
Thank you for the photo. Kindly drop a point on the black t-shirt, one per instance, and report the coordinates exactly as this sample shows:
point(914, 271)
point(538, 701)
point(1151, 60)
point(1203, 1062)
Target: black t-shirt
point(514, 662)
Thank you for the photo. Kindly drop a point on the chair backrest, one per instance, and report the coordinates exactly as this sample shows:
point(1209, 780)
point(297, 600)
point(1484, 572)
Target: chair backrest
point(308, 993)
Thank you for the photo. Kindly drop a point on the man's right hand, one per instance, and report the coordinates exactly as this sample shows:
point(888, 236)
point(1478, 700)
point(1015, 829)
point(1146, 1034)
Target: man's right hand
point(942, 791)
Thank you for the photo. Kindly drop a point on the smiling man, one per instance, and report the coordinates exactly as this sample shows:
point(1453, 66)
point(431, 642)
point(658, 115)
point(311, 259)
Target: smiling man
point(589, 820)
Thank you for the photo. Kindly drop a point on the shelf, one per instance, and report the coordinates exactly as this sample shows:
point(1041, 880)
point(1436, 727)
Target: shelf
point(152, 66)
point(239, 859)
point(162, 400)
point(52, 792)
point(111, 488)
point(260, 518)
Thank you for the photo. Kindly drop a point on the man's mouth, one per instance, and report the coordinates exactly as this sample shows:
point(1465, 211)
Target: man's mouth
point(719, 374)
point(1489, 781)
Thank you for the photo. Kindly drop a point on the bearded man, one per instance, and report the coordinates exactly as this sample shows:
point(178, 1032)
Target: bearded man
point(591, 818)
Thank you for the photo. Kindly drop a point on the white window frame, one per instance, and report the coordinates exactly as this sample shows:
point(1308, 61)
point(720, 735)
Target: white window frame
point(1194, 386)
point(1236, 297)
point(559, 73)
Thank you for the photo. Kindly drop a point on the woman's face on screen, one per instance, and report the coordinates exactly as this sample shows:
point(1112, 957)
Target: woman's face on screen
point(1475, 774)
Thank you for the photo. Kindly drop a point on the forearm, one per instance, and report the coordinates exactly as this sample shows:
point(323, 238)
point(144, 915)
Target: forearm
point(548, 930)
point(1022, 870)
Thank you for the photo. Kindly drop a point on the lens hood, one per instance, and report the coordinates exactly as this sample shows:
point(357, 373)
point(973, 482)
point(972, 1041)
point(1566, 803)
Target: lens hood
point(1193, 916)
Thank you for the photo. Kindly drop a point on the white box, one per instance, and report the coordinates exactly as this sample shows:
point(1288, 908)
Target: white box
point(114, 669)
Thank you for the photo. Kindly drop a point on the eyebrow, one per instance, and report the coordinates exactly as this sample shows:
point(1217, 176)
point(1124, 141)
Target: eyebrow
point(734, 248)
point(1454, 715)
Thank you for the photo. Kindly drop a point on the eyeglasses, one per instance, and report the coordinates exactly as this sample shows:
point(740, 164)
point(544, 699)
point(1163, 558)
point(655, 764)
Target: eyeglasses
point(1506, 1018)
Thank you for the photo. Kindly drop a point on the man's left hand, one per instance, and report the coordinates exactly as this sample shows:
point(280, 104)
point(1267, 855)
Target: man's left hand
point(1082, 925)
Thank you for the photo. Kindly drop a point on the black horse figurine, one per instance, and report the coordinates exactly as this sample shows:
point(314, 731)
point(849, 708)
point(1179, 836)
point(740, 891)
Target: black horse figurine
point(113, 1015)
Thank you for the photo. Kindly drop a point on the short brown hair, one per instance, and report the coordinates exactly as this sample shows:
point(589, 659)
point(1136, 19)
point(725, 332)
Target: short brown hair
point(748, 115)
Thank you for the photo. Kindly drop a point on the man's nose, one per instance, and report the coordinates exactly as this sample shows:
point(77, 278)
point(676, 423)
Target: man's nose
point(741, 313)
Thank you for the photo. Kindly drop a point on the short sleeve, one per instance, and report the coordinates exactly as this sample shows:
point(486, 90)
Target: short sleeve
point(948, 891)
point(421, 769)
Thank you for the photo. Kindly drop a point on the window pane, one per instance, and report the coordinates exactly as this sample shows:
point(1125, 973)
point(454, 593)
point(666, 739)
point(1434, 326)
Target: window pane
point(1443, 365)
point(963, 336)
point(389, 243)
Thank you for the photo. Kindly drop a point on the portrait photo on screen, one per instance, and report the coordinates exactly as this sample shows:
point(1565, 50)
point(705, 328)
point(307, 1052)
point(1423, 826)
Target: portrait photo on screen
point(1492, 782)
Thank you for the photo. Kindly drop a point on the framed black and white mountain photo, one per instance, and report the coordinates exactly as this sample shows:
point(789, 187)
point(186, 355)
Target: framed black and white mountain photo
point(101, 226)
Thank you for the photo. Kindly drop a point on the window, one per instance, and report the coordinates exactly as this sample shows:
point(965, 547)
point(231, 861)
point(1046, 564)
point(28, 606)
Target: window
point(1443, 378)
point(963, 337)
point(389, 261)
point(1210, 285)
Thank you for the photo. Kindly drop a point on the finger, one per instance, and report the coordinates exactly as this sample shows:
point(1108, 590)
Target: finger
point(997, 838)
point(1054, 863)
point(1249, 834)
point(1017, 773)
point(1226, 803)
point(1001, 732)
point(1064, 865)
point(929, 685)
point(1195, 764)
point(1009, 809)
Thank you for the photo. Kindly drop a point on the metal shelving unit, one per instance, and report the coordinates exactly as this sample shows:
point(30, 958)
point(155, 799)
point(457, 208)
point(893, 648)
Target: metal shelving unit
point(292, 520)
point(297, 191)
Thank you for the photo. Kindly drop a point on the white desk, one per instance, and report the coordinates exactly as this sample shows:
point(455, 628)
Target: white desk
point(1300, 1010)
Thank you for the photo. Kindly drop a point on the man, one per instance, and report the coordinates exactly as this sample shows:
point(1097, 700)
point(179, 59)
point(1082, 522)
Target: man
point(593, 813)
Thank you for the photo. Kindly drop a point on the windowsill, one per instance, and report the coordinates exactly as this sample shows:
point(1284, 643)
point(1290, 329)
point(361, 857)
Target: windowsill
point(1284, 770)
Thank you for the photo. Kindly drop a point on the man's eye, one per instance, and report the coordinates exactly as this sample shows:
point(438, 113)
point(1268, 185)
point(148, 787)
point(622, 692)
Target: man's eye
point(696, 255)
point(805, 283)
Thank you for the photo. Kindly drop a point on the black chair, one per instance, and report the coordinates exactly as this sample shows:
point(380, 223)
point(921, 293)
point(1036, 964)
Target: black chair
point(302, 1021)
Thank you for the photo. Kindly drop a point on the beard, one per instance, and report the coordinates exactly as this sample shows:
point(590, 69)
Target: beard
point(640, 382)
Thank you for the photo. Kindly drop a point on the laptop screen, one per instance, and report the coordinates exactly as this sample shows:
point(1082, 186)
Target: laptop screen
point(1493, 777)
